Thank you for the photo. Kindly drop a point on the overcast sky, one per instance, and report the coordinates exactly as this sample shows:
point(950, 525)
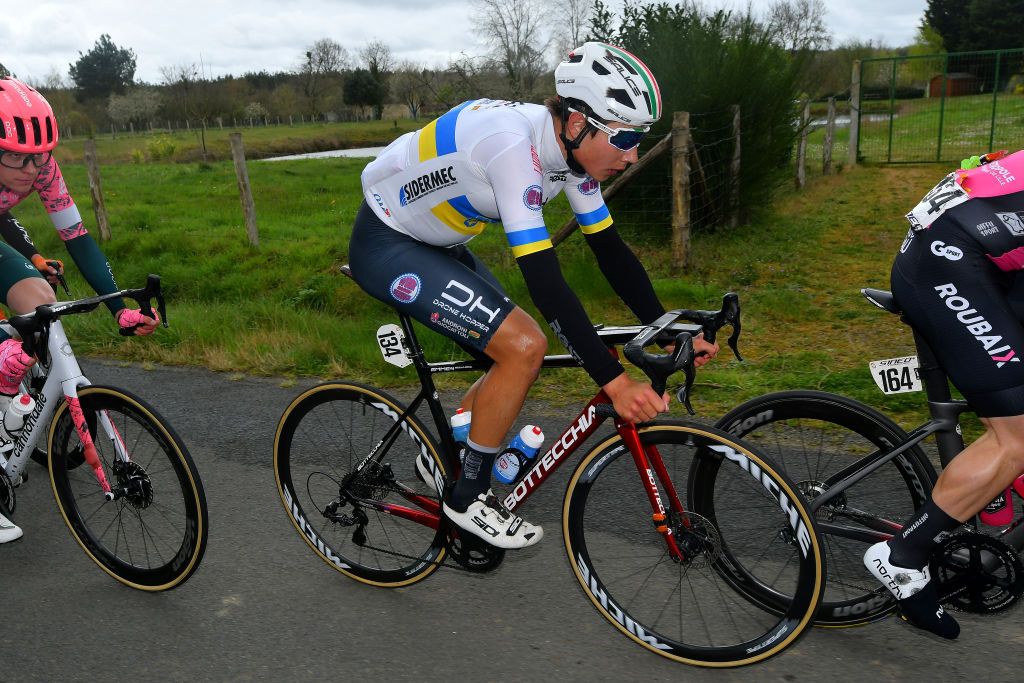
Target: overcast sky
point(233, 37)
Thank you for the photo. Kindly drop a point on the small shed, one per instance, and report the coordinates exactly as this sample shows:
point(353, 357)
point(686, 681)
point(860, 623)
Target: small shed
point(957, 84)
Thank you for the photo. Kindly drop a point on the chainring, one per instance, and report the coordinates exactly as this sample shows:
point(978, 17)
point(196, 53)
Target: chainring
point(977, 573)
point(473, 554)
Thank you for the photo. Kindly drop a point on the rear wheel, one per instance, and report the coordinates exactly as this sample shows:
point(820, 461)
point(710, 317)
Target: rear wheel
point(751, 525)
point(350, 520)
point(814, 435)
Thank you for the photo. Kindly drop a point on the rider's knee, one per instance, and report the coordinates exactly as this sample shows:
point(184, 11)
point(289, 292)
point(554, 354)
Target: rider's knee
point(25, 295)
point(1009, 435)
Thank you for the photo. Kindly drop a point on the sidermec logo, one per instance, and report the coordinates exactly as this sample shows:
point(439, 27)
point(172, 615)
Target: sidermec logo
point(425, 184)
point(977, 326)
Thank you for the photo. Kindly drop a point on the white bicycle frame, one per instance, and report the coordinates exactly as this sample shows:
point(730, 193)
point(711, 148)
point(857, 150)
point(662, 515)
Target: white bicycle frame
point(64, 378)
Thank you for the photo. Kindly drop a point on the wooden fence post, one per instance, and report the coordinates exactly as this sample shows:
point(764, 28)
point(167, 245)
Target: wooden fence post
point(830, 132)
point(734, 169)
point(244, 190)
point(681, 143)
point(854, 113)
point(801, 149)
point(98, 207)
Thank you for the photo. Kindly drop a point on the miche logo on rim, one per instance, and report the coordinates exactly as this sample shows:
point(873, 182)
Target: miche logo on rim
point(977, 326)
point(405, 288)
point(426, 184)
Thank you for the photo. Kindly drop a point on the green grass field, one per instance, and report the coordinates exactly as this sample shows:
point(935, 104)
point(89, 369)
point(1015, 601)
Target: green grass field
point(282, 309)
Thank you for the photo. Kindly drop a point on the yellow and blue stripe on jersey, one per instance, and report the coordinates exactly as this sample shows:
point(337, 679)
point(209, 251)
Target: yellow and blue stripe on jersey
point(437, 139)
point(594, 221)
point(529, 240)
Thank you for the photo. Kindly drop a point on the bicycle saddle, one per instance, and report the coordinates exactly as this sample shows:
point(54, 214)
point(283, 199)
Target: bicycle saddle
point(882, 299)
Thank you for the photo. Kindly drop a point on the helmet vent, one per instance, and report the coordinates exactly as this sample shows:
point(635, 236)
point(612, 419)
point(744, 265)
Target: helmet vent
point(19, 125)
point(37, 137)
point(49, 127)
point(599, 69)
point(647, 99)
point(575, 59)
point(620, 96)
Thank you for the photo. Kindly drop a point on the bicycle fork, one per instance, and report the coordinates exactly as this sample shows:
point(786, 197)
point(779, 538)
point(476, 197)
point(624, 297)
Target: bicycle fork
point(650, 465)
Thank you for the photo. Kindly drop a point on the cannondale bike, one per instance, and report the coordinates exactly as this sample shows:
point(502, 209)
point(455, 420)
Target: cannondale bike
point(689, 542)
point(123, 480)
point(864, 476)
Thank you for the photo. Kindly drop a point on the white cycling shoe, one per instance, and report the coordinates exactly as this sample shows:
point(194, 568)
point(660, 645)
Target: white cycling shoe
point(487, 519)
point(9, 531)
point(900, 581)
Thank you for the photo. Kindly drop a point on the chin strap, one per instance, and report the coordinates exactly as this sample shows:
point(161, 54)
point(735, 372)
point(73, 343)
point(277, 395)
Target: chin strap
point(573, 144)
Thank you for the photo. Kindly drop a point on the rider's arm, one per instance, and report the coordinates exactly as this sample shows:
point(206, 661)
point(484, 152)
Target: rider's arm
point(625, 274)
point(15, 235)
point(562, 309)
point(77, 240)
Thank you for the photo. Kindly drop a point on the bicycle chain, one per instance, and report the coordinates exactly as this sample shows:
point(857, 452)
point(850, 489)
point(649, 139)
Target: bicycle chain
point(452, 553)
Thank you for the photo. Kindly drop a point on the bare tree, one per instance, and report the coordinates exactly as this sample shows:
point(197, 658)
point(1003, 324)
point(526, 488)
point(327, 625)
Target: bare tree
point(138, 105)
point(321, 70)
point(377, 58)
point(574, 18)
point(513, 30)
point(409, 86)
point(194, 94)
point(800, 24)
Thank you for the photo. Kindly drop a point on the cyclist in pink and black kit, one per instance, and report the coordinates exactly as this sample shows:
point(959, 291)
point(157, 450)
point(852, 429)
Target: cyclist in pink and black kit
point(28, 135)
point(958, 280)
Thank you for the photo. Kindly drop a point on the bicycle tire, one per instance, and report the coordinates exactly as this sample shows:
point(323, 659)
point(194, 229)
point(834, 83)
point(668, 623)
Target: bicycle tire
point(621, 561)
point(813, 434)
point(323, 434)
point(153, 539)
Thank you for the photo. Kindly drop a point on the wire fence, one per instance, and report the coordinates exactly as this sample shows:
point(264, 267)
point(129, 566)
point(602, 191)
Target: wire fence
point(940, 107)
point(647, 206)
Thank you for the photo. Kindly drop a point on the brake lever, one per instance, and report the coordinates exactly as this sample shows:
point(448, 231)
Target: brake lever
point(683, 360)
point(60, 275)
point(712, 321)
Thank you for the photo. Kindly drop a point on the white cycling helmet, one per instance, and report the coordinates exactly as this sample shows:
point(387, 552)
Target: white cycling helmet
point(613, 83)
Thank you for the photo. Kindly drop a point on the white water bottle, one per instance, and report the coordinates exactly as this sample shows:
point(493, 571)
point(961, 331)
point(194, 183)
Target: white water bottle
point(460, 428)
point(521, 450)
point(14, 417)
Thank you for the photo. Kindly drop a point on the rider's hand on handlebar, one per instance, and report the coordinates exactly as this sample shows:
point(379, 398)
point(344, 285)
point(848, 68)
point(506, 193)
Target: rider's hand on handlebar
point(51, 269)
point(635, 401)
point(133, 319)
point(703, 351)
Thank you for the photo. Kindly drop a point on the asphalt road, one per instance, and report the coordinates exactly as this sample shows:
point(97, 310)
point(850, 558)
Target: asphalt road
point(263, 607)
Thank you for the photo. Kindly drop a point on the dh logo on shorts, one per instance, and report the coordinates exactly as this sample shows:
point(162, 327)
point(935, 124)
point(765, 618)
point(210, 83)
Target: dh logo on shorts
point(406, 288)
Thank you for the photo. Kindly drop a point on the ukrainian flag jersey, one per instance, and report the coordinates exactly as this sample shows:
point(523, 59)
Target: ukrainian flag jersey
point(485, 161)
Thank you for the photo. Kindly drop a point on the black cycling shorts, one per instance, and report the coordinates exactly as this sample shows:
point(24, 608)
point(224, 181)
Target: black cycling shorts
point(969, 312)
point(446, 288)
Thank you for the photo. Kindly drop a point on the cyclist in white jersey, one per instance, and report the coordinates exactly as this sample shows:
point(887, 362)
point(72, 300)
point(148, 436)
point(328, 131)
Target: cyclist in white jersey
point(490, 161)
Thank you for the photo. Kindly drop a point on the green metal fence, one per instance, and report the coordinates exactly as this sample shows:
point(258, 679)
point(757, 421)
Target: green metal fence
point(940, 107)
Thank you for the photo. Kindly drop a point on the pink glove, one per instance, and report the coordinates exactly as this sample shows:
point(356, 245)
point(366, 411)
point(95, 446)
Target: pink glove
point(14, 363)
point(132, 319)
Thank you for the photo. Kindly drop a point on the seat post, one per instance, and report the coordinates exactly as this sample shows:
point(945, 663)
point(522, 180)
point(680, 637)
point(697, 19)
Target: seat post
point(941, 405)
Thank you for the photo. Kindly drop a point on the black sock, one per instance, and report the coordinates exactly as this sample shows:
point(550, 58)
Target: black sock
point(911, 546)
point(475, 478)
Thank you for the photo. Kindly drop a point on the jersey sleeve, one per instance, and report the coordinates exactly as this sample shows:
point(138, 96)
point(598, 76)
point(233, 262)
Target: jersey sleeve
point(515, 176)
point(585, 199)
point(53, 192)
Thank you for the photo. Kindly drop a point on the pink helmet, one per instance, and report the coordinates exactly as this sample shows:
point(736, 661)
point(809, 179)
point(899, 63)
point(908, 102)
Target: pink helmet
point(27, 123)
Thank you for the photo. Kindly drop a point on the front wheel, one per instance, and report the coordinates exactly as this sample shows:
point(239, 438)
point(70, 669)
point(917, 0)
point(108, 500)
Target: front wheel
point(689, 608)
point(153, 536)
